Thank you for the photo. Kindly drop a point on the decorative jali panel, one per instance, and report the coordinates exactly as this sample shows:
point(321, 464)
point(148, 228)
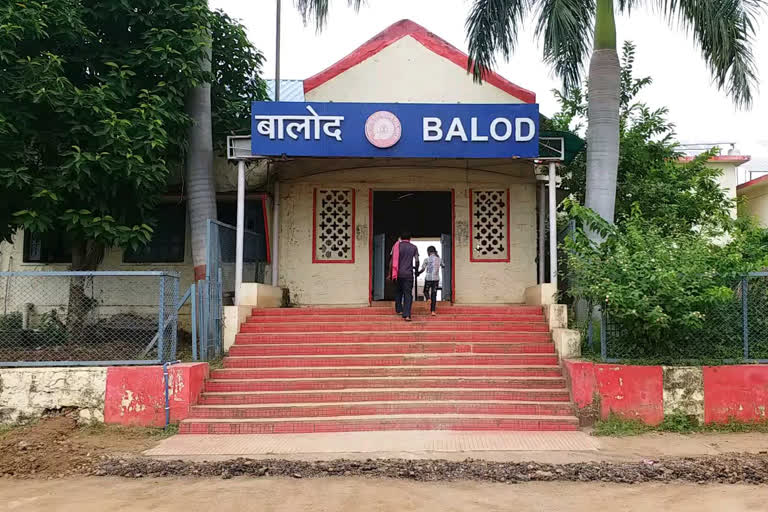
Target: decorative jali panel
point(489, 226)
point(334, 226)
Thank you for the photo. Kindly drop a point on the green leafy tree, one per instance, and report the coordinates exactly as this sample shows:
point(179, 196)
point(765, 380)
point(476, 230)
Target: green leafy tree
point(92, 120)
point(668, 294)
point(92, 115)
point(672, 194)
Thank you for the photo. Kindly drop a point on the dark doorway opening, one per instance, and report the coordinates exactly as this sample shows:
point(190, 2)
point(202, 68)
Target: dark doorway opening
point(428, 216)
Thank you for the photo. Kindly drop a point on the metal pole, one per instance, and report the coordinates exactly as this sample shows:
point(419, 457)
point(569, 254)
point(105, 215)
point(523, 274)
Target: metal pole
point(240, 229)
point(542, 230)
point(277, 53)
point(745, 314)
point(552, 224)
point(275, 232)
point(161, 320)
point(193, 308)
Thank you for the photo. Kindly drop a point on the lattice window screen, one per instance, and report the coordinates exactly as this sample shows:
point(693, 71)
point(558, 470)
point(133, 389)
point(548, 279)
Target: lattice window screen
point(489, 225)
point(334, 226)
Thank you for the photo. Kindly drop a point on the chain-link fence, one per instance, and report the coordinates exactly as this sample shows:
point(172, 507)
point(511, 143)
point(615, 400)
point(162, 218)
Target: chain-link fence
point(222, 248)
point(78, 318)
point(730, 329)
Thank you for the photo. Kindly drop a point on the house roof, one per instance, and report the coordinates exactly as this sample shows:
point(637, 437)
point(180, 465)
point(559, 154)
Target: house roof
point(762, 180)
point(733, 159)
point(404, 28)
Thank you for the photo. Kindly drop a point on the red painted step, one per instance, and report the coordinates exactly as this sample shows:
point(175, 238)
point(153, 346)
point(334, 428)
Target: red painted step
point(380, 423)
point(361, 369)
point(394, 326)
point(383, 337)
point(390, 360)
point(454, 310)
point(379, 408)
point(247, 385)
point(388, 372)
point(390, 348)
point(450, 317)
point(383, 395)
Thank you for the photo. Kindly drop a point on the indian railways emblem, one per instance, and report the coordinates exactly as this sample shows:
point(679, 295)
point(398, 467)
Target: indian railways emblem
point(383, 129)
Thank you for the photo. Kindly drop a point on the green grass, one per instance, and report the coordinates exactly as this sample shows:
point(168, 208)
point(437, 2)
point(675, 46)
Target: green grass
point(154, 433)
point(5, 429)
point(216, 364)
point(615, 426)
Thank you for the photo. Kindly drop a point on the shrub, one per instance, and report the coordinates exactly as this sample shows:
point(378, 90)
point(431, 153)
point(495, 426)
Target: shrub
point(666, 292)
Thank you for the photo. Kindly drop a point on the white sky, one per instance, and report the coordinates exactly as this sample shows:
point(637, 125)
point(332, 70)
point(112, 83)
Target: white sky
point(682, 81)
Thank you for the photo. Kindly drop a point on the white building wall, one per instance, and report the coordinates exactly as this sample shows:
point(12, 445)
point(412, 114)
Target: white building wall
point(348, 283)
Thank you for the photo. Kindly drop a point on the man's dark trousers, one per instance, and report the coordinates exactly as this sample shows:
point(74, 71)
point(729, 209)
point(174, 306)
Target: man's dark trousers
point(405, 295)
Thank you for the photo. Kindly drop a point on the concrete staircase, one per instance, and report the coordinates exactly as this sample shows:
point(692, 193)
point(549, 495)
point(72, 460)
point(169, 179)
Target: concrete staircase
point(365, 369)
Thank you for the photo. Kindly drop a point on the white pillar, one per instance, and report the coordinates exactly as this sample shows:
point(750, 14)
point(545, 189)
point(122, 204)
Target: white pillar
point(240, 229)
point(542, 230)
point(275, 232)
point(552, 224)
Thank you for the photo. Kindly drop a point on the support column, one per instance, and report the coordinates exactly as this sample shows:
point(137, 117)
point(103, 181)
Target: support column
point(276, 233)
point(552, 224)
point(542, 207)
point(239, 245)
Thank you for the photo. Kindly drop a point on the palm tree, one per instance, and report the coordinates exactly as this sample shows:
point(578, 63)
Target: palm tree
point(201, 187)
point(723, 29)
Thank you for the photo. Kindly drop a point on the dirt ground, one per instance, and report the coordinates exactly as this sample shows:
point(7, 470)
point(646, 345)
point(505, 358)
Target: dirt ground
point(56, 446)
point(357, 494)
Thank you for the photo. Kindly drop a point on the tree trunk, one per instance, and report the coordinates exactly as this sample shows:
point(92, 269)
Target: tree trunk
point(603, 117)
point(201, 187)
point(86, 255)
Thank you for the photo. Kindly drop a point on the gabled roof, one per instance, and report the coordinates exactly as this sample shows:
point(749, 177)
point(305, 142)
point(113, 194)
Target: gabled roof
point(731, 159)
point(397, 31)
point(762, 180)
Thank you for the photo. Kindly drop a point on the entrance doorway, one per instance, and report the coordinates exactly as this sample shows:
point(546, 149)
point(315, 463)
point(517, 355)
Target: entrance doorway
point(428, 216)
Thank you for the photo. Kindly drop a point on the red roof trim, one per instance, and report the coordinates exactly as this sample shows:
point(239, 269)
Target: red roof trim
point(440, 46)
point(736, 159)
point(755, 181)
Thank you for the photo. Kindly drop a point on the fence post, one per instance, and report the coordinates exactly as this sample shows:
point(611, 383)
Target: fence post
point(193, 309)
point(603, 334)
point(175, 313)
point(219, 312)
point(745, 313)
point(208, 249)
point(161, 320)
point(203, 332)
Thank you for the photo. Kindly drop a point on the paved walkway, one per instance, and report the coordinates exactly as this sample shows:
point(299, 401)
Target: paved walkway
point(368, 443)
point(551, 447)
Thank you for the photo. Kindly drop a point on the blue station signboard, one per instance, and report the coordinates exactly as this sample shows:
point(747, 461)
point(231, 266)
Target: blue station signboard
point(395, 130)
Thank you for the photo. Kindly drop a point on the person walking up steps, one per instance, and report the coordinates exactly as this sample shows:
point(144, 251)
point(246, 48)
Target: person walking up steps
point(405, 260)
point(393, 275)
point(431, 266)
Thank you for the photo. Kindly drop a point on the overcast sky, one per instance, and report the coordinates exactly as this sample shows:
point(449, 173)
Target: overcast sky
point(682, 81)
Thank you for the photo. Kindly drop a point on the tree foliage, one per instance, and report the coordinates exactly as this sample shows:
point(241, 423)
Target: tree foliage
point(92, 121)
point(724, 30)
point(667, 293)
point(671, 193)
point(667, 271)
point(236, 66)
